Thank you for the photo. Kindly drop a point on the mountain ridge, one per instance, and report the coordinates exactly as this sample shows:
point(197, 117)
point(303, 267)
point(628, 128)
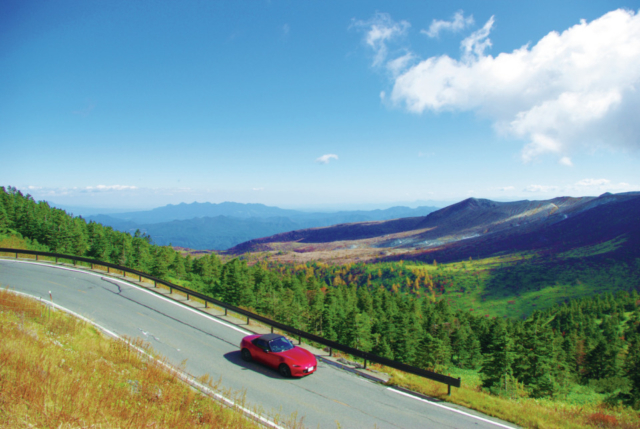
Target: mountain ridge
point(224, 225)
point(473, 227)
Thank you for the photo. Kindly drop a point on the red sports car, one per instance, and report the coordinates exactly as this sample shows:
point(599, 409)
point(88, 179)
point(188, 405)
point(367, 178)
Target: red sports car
point(279, 353)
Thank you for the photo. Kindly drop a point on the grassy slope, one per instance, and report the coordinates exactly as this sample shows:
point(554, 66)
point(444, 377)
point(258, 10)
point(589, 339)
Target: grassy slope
point(517, 284)
point(578, 408)
point(56, 371)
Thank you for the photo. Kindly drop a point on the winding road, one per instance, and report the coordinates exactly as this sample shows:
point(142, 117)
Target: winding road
point(329, 398)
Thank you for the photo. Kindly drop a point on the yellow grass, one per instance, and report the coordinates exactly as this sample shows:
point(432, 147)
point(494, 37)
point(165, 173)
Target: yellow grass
point(523, 411)
point(59, 372)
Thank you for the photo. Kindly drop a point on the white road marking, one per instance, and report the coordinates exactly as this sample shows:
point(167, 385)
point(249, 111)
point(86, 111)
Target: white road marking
point(450, 409)
point(184, 376)
point(171, 301)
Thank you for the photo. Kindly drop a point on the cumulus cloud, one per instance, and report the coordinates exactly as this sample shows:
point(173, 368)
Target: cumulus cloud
point(457, 23)
point(565, 160)
point(570, 91)
point(324, 159)
point(477, 42)
point(379, 31)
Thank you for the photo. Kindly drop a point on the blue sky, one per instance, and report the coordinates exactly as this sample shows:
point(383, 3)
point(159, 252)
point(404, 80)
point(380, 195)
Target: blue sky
point(120, 104)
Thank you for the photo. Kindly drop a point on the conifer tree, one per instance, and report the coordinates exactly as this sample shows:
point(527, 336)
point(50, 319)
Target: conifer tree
point(497, 368)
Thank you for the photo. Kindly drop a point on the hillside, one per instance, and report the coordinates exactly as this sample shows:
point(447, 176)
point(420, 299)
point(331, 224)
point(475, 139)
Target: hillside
point(474, 228)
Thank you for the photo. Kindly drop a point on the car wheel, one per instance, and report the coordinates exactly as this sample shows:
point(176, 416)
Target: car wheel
point(246, 355)
point(284, 371)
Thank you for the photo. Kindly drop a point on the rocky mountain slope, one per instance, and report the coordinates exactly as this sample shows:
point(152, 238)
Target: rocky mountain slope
point(475, 227)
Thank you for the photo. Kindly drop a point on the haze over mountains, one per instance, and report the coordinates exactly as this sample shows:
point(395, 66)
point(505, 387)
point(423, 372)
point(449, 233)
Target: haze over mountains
point(224, 225)
point(476, 228)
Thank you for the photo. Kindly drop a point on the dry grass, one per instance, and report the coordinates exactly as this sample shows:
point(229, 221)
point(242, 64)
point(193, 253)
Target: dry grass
point(523, 411)
point(59, 372)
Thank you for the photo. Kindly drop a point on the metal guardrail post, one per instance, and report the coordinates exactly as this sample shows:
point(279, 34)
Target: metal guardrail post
point(225, 311)
point(36, 257)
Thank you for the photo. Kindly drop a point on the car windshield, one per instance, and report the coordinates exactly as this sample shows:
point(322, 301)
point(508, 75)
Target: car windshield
point(280, 345)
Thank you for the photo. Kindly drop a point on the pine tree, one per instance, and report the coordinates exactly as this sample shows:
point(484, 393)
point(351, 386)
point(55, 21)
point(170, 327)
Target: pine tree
point(632, 371)
point(497, 368)
point(4, 219)
point(601, 361)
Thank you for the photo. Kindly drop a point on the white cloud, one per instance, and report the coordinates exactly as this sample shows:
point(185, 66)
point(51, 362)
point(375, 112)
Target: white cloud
point(286, 29)
point(540, 188)
point(477, 42)
point(593, 182)
point(507, 188)
point(258, 189)
point(324, 159)
point(398, 65)
point(379, 31)
point(459, 22)
point(565, 160)
point(571, 91)
point(599, 186)
point(584, 187)
point(108, 188)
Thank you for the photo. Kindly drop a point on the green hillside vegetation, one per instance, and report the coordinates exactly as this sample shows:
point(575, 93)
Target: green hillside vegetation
point(573, 338)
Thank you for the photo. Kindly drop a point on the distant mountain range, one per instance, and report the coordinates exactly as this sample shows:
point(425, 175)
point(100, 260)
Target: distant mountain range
point(478, 228)
point(224, 225)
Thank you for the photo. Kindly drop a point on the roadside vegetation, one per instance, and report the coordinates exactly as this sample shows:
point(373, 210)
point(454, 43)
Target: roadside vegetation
point(526, 332)
point(57, 371)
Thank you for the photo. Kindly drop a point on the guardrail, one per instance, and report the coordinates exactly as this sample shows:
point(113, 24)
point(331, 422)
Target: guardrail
point(441, 378)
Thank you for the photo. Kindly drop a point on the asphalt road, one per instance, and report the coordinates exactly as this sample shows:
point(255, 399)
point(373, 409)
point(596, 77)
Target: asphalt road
point(329, 398)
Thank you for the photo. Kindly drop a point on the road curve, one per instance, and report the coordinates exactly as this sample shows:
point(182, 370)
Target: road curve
point(329, 398)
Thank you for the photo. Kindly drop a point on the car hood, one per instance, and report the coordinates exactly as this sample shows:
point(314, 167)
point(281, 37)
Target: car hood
point(299, 356)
